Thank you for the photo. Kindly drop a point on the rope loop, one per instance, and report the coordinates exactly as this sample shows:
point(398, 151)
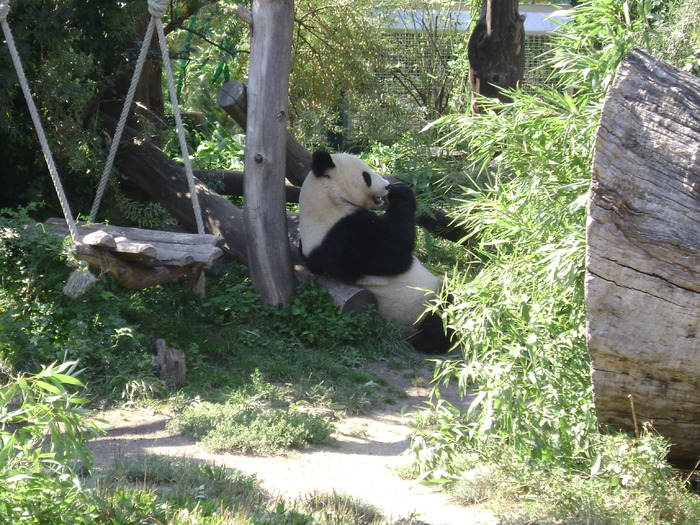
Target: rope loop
point(4, 9)
point(157, 8)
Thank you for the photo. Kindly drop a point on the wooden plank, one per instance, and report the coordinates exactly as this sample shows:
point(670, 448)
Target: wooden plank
point(99, 239)
point(141, 235)
point(643, 255)
point(203, 254)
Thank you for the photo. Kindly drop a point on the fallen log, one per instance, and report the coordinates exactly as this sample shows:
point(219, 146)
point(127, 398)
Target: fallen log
point(164, 181)
point(233, 100)
point(227, 182)
point(643, 255)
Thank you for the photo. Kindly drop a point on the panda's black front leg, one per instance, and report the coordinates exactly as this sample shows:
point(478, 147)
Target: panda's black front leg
point(400, 215)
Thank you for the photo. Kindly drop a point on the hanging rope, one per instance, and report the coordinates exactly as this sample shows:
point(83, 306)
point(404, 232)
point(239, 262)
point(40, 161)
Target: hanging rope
point(81, 279)
point(157, 9)
point(72, 227)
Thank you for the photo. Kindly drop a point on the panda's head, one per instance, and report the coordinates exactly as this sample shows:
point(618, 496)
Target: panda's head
point(337, 186)
point(348, 180)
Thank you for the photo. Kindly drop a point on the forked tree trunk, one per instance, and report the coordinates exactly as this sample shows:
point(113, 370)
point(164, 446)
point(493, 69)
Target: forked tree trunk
point(643, 255)
point(269, 258)
point(233, 99)
point(496, 50)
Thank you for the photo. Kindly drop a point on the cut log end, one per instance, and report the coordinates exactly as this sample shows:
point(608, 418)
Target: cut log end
point(170, 364)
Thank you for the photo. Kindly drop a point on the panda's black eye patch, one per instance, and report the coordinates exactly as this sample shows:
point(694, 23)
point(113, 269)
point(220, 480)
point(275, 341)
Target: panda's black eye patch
point(368, 179)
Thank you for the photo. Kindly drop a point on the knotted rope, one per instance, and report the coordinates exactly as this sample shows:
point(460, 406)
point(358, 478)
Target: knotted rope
point(81, 279)
point(157, 9)
point(72, 227)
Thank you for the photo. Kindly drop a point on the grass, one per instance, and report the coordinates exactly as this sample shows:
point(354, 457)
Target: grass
point(251, 428)
point(148, 489)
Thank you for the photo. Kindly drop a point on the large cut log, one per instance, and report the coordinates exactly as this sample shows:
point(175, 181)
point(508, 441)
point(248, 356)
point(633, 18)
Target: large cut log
point(165, 182)
point(233, 99)
point(643, 255)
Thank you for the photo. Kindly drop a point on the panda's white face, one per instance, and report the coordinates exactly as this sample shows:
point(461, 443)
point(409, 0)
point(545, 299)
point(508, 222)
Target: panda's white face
point(352, 180)
point(337, 185)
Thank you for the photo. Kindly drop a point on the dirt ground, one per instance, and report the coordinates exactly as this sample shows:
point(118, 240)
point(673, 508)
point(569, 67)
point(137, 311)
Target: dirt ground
point(361, 464)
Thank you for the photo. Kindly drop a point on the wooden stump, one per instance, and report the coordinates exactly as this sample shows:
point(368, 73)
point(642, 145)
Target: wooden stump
point(496, 50)
point(643, 255)
point(170, 364)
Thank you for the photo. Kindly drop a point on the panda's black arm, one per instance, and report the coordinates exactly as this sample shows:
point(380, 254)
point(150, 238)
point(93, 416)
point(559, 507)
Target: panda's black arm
point(364, 243)
point(400, 215)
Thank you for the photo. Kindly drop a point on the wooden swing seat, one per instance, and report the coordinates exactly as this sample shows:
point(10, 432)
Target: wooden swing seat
point(139, 258)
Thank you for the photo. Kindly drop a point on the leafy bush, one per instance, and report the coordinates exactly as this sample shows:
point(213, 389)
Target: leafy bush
point(520, 311)
point(43, 434)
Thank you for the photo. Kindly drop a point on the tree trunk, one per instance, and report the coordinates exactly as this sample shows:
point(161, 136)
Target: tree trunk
point(496, 50)
point(233, 100)
point(269, 257)
point(643, 255)
point(165, 182)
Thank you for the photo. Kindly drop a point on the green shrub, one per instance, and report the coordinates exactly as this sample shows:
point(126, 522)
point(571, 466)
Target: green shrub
point(258, 418)
point(520, 311)
point(43, 435)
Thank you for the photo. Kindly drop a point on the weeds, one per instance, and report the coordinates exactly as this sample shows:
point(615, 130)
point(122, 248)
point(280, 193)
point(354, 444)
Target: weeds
point(530, 439)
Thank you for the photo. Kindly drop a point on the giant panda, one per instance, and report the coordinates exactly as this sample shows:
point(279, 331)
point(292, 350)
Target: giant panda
point(342, 237)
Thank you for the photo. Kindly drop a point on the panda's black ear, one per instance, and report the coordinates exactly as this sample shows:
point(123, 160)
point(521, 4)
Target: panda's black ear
point(321, 162)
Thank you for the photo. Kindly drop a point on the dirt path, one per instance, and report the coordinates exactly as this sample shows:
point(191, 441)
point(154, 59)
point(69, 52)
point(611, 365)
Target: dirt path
point(360, 465)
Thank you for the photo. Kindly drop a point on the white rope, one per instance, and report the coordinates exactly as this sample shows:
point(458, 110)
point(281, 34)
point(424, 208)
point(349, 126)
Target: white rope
point(121, 124)
point(72, 227)
point(180, 128)
point(157, 9)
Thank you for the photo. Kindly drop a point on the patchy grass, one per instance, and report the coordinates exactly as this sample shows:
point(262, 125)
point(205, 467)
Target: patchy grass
point(227, 427)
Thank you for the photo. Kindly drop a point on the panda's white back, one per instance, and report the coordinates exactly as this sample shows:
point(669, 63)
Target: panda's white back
point(402, 298)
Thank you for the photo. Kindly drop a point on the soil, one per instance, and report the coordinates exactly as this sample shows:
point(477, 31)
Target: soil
point(362, 463)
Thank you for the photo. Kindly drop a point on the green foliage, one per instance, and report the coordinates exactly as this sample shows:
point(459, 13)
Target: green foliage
point(43, 434)
point(222, 149)
point(587, 51)
point(629, 483)
point(519, 311)
point(260, 421)
point(679, 35)
point(68, 49)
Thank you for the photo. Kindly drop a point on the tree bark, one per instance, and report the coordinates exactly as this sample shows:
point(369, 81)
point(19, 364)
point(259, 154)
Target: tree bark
point(496, 50)
point(643, 255)
point(269, 257)
point(226, 182)
point(165, 182)
point(233, 99)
